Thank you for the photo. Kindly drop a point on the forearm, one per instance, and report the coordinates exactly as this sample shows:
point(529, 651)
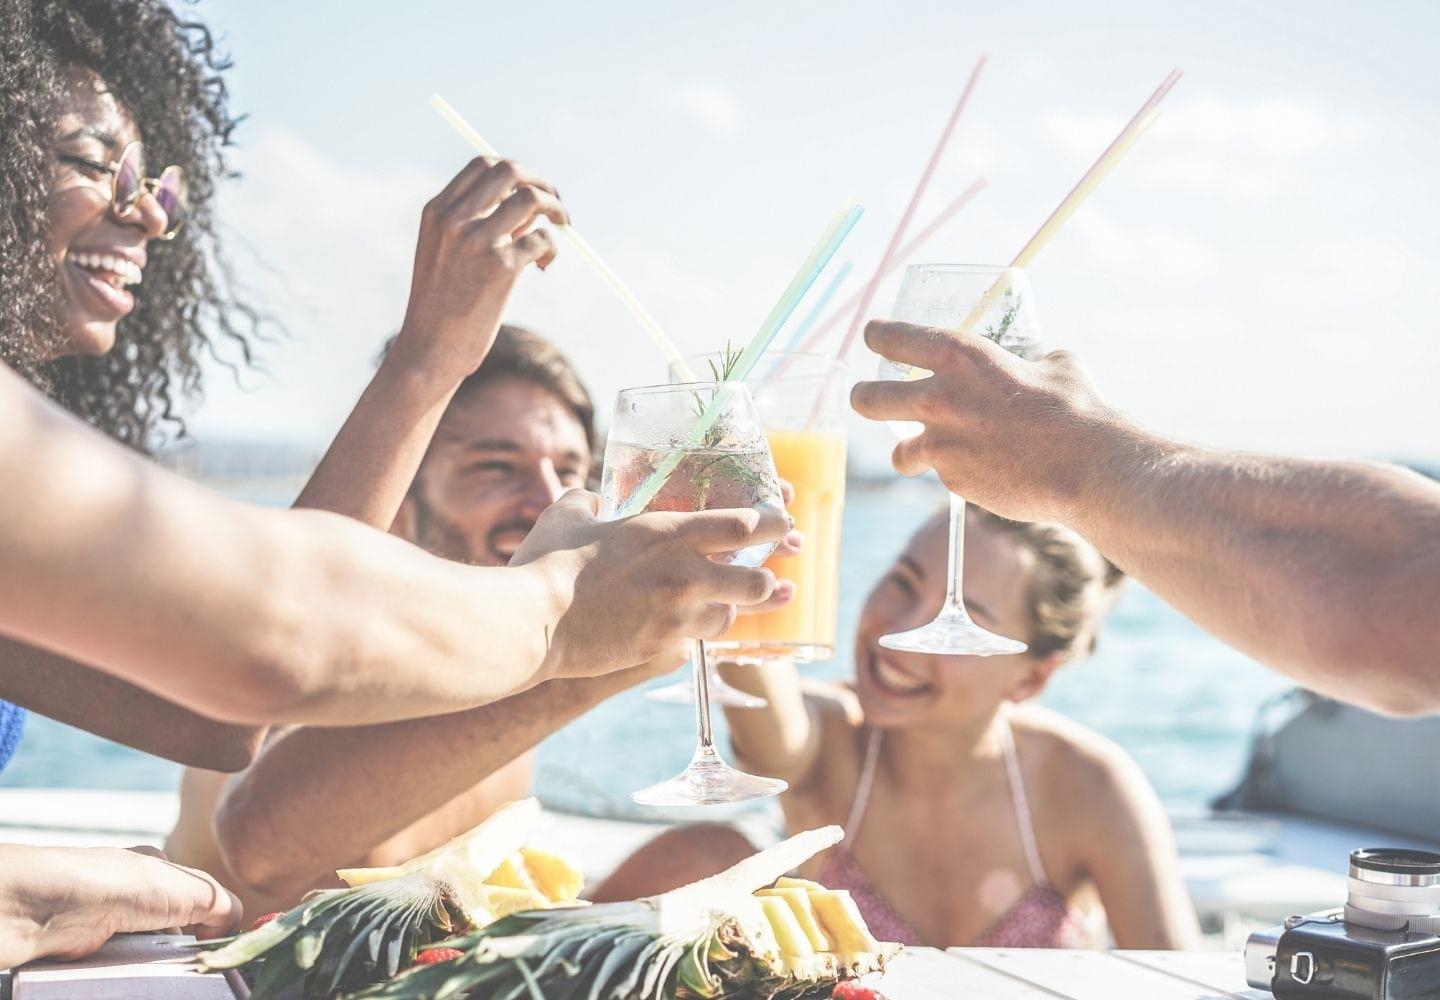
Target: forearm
point(81, 696)
point(307, 617)
point(779, 740)
point(308, 805)
point(369, 467)
point(1327, 571)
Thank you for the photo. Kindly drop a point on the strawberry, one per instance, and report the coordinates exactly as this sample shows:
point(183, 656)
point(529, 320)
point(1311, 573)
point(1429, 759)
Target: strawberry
point(262, 921)
point(431, 956)
point(851, 989)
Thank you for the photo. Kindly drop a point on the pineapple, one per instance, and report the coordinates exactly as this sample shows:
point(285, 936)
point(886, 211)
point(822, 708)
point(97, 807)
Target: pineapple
point(343, 939)
point(728, 936)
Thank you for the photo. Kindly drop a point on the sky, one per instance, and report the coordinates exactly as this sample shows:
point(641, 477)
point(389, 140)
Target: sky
point(1262, 271)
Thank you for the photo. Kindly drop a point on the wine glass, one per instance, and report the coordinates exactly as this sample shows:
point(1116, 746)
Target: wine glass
point(698, 446)
point(801, 399)
point(996, 303)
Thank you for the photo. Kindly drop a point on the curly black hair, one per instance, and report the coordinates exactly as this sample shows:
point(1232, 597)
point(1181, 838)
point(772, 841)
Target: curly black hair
point(166, 72)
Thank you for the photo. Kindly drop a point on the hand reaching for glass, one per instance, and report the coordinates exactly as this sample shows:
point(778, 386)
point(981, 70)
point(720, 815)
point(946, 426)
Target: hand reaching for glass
point(1018, 437)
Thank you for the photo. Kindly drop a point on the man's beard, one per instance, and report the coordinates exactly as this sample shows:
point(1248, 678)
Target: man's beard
point(438, 535)
point(441, 537)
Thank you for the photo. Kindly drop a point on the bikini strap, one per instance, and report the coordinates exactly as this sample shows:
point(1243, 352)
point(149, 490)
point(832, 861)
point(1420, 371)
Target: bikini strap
point(862, 787)
point(1022, 804)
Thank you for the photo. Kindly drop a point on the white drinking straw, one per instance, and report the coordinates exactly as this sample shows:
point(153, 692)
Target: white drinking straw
point(651, 326)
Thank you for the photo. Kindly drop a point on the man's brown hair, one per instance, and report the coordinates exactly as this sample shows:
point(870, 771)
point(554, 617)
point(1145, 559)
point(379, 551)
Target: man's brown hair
point(524, 354)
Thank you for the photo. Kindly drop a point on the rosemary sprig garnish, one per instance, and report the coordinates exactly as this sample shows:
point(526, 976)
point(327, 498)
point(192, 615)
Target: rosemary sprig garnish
point(997, 332)
point(721, 369)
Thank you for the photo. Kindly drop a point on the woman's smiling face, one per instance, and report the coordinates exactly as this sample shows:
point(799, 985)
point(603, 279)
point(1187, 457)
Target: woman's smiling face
point(900, 689)
point(98, 255)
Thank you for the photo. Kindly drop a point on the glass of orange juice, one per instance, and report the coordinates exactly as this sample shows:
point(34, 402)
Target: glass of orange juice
point(801, 401)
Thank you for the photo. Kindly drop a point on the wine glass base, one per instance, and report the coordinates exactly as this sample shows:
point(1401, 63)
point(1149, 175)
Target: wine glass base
point(721, 694)
point(952, 636)
point(708, 781)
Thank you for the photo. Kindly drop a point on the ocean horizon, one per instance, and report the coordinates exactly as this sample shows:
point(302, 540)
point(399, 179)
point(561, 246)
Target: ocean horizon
point(1182, 703)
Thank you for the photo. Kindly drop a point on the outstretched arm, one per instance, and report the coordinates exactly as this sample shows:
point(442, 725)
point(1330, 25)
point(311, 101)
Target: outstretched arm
point(781, 740)
point(307, 806)
point(1326, 571)
point(114, 709)
point(310, 617)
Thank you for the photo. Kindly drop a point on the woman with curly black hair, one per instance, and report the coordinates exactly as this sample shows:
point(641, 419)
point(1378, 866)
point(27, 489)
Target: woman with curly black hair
point(77, 79)
point(109, 295)
point(80, 80)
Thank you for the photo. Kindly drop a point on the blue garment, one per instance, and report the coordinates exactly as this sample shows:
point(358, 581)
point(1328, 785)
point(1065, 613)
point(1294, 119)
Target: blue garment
point(12, 725)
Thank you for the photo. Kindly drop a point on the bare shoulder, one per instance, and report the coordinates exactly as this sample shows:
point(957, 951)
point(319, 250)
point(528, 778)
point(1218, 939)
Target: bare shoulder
point(836, 714)
point(1077, 769)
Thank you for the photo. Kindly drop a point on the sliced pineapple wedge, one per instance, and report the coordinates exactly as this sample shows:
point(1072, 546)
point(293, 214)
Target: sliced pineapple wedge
point(786, 882)
point(842, 922)
point(788, 935)
point(484, 904)
point(356, 877)
point(554, 877)
point(489, 870)
point(512, 874)
point(798, 900)
point(820, 932)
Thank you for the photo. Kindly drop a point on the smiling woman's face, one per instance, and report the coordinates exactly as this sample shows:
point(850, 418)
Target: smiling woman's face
point(98, 255)
point(900, 689)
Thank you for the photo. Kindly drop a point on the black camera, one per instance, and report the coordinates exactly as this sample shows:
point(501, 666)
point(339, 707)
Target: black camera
point(1384, 945)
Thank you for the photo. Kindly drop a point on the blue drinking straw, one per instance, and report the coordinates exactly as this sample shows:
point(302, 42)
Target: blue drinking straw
point(814, 314)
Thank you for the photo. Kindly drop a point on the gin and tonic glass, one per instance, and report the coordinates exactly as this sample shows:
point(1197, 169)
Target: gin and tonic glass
point(692, 447)
point(994, 302)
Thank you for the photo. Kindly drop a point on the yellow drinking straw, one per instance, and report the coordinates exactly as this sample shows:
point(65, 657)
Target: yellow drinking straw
point(586, 251)
point(1063, 211)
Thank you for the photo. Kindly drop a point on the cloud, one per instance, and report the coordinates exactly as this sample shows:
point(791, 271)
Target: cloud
point(325, 244)
point(1235, 149)
point(712, 107)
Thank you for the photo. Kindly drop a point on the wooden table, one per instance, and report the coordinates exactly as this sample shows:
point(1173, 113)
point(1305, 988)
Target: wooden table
point(141, 967)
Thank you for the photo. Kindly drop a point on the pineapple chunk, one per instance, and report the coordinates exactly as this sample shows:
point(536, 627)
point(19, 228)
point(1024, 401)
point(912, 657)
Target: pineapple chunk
point(484, 904)
point(356, 877)
point(512, 874)
point(841, 920)
point(557, 879)
point(786, 882)
point(792, 940)
point(799, 902)
point(485, 848)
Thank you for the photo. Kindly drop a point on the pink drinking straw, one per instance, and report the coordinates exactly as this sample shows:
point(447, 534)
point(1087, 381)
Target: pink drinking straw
point(899, 234)
point(898, 258)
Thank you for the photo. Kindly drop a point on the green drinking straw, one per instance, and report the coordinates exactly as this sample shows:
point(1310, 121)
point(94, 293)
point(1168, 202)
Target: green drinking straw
point(820, 255)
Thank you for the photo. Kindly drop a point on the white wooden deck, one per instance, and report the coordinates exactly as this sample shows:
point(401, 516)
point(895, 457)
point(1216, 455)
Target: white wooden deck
point(142, 967)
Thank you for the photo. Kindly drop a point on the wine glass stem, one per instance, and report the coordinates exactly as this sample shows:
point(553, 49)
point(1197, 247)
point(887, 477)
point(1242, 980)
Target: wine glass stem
point(702, 699)
point(955, 584)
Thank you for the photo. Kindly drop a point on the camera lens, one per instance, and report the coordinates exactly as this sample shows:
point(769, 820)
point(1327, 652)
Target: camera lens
point(1394, 889)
